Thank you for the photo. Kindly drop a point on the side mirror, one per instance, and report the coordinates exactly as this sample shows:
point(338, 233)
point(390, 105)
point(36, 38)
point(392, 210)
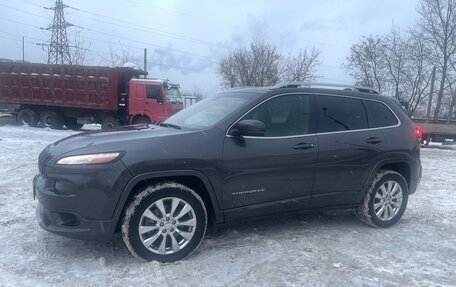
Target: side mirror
point(251, 128)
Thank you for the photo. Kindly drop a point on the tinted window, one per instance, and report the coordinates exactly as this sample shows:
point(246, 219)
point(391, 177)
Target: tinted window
point(379, 115)
point(153, 92)
point(341, 114)
point(284, 116)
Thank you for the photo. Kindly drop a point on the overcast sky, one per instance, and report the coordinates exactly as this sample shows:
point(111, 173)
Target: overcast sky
point(186, 38)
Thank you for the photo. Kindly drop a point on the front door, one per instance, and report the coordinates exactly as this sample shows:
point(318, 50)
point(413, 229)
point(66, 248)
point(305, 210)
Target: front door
point(273, 173)
point(154, 104)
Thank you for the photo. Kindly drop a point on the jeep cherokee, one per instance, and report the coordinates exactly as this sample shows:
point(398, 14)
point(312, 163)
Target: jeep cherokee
point(243, 153)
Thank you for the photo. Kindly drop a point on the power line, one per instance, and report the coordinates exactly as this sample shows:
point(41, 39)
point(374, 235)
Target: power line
point(8, 38)
point(180, 12)
point(147, 29)
point(129, 25)
point(192, 55)
point(95, 52)
point(104, 33)
point(23, 11)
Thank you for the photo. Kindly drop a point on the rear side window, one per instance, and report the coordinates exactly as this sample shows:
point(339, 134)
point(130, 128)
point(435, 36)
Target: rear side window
point(379, 115)
point(341, 114)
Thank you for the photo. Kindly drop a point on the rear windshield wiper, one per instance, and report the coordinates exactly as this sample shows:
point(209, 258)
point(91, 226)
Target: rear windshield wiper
point(170, 126)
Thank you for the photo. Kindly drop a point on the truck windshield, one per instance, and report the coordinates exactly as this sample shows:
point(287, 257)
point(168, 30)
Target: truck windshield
point(207, 112)
point(173, 95)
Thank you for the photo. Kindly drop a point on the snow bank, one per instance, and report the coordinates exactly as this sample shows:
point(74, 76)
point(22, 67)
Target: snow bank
point(329, 248)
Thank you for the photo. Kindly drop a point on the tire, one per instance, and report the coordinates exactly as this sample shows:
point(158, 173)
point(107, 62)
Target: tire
point(370, 209)
point(27, 117)
point(109, 123)
point(141, 120)
point(51, 119)
point(144, 211)
point(72, 124)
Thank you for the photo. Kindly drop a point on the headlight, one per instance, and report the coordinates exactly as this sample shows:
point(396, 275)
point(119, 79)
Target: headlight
point(89, 158)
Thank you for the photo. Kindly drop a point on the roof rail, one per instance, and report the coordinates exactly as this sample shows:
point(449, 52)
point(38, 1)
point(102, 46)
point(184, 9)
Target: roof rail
point(324, 85)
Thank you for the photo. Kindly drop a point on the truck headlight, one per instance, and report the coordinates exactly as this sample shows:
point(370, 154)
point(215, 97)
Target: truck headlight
point(89, 158)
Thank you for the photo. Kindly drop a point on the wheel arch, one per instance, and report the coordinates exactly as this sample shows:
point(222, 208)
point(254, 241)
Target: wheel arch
point(403, 167)
point(192, 179)
point(137, 116)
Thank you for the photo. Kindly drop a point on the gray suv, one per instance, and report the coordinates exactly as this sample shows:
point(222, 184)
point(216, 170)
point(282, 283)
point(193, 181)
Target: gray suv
point(241, 154)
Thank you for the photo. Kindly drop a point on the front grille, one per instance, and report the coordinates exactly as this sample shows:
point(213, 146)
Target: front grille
point(43, 159)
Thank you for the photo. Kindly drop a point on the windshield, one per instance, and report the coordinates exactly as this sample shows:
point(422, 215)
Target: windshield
point(173, 95)
point(207, 112)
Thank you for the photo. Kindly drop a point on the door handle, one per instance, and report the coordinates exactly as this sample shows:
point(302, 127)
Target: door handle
point(374, 140)
point(303, 146)
point(147, 102)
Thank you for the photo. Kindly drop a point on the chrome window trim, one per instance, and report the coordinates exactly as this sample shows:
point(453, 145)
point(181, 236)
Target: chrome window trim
point(399, 123)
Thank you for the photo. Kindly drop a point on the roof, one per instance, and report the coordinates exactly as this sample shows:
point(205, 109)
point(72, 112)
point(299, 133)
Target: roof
point(309, 88)
point(325, 86)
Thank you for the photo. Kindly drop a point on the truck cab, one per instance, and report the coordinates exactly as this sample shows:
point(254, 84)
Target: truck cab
point(152, 100)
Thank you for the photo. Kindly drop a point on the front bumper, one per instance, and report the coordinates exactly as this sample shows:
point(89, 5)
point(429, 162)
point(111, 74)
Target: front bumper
point(72, 225)
point(80, 203)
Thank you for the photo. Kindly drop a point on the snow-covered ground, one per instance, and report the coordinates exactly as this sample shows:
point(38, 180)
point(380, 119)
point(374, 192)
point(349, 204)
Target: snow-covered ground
point(320, 249)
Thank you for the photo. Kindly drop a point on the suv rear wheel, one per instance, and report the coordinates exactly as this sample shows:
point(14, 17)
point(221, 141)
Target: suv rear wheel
point(385, 200)
point(165, 222)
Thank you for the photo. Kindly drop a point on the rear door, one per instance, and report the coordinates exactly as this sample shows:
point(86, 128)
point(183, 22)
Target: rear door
point(348, 148)
point(274, 173)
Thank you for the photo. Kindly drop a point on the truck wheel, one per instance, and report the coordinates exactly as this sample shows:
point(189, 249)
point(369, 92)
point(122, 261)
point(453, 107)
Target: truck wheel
point(385, 200)
point(51, 119)
point(141, 120)
point(165, 222)
point(109, 123)
point(72, 124)
point(27, 117)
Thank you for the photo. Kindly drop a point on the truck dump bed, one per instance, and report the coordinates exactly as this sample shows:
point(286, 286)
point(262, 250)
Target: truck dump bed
point(71, 86)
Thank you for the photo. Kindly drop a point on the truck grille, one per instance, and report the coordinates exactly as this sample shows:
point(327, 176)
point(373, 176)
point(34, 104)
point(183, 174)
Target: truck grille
point(43, 158)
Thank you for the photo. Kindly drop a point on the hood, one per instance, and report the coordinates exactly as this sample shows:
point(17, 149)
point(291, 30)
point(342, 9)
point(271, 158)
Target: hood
point(118, 135)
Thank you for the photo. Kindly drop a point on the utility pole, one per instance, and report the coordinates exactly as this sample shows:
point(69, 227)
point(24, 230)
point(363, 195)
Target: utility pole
point(23, 50)
point(58, 48)
point(145, 59)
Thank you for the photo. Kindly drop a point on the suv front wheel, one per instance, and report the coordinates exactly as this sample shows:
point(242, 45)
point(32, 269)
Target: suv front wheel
point(385, 200)
point(165, 222)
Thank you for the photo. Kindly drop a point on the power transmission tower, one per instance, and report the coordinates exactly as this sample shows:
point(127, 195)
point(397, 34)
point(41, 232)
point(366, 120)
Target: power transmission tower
point(59, 47)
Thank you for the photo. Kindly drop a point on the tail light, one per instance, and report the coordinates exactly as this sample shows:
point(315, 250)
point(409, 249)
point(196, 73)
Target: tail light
point(419, 133)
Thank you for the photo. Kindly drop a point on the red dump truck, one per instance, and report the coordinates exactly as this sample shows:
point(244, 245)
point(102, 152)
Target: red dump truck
point(70, 95)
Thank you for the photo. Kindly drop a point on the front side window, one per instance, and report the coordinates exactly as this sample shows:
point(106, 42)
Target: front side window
point(284, 115)
point(340, 114)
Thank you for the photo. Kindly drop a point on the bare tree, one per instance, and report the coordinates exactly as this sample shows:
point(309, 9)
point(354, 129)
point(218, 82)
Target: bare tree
point(118, 57)
point(80, 48)
point(302, 67)
point(417, 71)
point(366, 63)
point(258, 65)
point(394, 54)
point(438, 25)
point(396, 64)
